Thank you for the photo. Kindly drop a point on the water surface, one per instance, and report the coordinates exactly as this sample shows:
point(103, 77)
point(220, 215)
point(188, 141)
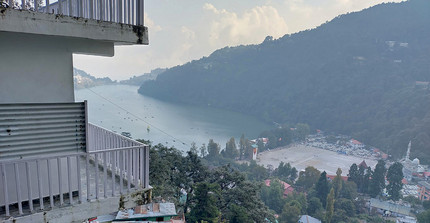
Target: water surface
point(134, 112)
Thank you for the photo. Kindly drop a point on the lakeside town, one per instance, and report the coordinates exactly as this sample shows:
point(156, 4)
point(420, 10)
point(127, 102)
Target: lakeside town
point(327, 153)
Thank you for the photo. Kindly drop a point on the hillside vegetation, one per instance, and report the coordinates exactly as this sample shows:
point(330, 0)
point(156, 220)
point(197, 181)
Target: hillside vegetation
point(354, 75)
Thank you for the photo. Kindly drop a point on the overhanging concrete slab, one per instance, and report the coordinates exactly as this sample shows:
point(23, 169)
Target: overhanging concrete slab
point(23, 21)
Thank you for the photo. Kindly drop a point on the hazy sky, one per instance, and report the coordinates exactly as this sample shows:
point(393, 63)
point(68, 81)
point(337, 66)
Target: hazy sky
point(185, 30)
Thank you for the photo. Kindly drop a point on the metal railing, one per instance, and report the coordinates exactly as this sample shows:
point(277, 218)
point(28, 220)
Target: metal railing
point(118, 11)
point(113, 165)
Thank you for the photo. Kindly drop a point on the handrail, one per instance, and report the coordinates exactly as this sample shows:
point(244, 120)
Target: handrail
point(110, 169)
point(129, 12)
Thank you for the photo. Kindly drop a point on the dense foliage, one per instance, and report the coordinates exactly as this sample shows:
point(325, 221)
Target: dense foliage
point(220, 194)
point(231, 192)
point(354, 75)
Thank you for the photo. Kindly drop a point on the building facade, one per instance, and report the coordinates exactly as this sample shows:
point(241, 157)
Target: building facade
point(54, 165)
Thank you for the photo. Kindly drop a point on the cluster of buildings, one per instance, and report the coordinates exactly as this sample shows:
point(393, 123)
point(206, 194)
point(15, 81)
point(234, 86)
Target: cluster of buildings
point(417, 177)
point(345, 145)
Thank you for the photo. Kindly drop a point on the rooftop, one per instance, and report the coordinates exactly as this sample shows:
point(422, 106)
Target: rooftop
point(308, 219)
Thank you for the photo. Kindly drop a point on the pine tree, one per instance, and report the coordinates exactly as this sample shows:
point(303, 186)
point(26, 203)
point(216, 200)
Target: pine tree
point(395, 177)
point(360, 183)
point(377, 184)
point(231, 151)
point(213, 150)
point(337, 183)
point(205, 203)
point(322, 187)
point(329, 206)
point(353, 174)
point(366, 180)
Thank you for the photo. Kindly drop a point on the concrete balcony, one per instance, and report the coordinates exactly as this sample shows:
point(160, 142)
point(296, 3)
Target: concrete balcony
point(117, 21)
point(90, 171)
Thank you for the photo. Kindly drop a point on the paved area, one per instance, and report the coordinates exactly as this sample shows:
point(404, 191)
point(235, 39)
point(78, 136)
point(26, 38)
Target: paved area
point(301, 156)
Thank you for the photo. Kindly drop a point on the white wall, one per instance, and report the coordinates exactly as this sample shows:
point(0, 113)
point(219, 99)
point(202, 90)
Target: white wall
point(39, 68)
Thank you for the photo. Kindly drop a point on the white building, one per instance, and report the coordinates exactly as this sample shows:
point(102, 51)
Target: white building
point(55, 166)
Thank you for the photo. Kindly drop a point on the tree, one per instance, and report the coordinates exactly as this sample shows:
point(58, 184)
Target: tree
point(346, 205)
point(256, 172)
point(299, 197)
point(213, 150)
point(366, 180)
point(290, 212)
point(273, 195)
point(329, 206)
point(302, 131)
point(203, 150)
point(337, 183)
point(377, 184)
point(424, 216)
point(361, 173)
point(285, 172)
point(322, 187)
point(238, 214)
point(395, 177)
point(242, 146)
point(314, 206)
point(349, 190)
point(353, 174)
point(426, 205)
point(308, 178)
point(193, 148)
point(205, 208)
point(236, 190)
point(231, 151)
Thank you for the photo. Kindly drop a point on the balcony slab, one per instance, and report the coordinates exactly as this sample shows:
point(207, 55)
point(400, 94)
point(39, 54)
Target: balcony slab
point(23, 21)
point(83, 211)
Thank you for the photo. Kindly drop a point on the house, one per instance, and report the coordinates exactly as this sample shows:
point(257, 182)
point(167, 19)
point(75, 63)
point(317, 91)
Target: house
point(308, 219)
point(254, 151)
point(423, 190)
point(288, 189)
point(331, 177)
point(355, 144)
point(54, 165)
point(390, 209)
point(363, 164)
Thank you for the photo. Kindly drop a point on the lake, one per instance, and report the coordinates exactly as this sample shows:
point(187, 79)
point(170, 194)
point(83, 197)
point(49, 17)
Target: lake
point(120, 108)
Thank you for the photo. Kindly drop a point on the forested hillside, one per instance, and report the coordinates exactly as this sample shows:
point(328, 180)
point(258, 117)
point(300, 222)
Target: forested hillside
point(355, 75)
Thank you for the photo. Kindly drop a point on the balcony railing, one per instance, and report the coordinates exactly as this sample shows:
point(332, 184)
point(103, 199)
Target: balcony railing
point(129, 12)
point(114, 165)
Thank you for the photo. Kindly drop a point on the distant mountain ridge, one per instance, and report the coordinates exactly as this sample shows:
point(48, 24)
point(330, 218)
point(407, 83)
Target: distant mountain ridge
point(139, 80)
point(82, 79)
point(355, 75)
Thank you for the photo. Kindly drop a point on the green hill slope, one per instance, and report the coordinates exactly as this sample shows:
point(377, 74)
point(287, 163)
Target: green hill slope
point(354, 75)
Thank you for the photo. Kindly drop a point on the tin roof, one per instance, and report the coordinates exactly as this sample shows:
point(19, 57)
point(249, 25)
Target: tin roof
point(308, 219)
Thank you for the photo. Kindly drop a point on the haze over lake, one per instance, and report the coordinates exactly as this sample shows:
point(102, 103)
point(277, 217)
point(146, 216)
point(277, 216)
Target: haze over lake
point(186, 123)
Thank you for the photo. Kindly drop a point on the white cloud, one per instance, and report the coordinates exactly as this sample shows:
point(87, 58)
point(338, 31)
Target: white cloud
point(305, 14)
point(230, 28)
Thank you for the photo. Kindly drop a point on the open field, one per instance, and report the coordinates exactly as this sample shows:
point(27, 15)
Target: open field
point(301, 156)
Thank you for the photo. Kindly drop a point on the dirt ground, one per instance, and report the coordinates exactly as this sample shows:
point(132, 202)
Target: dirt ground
point(301, 156)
